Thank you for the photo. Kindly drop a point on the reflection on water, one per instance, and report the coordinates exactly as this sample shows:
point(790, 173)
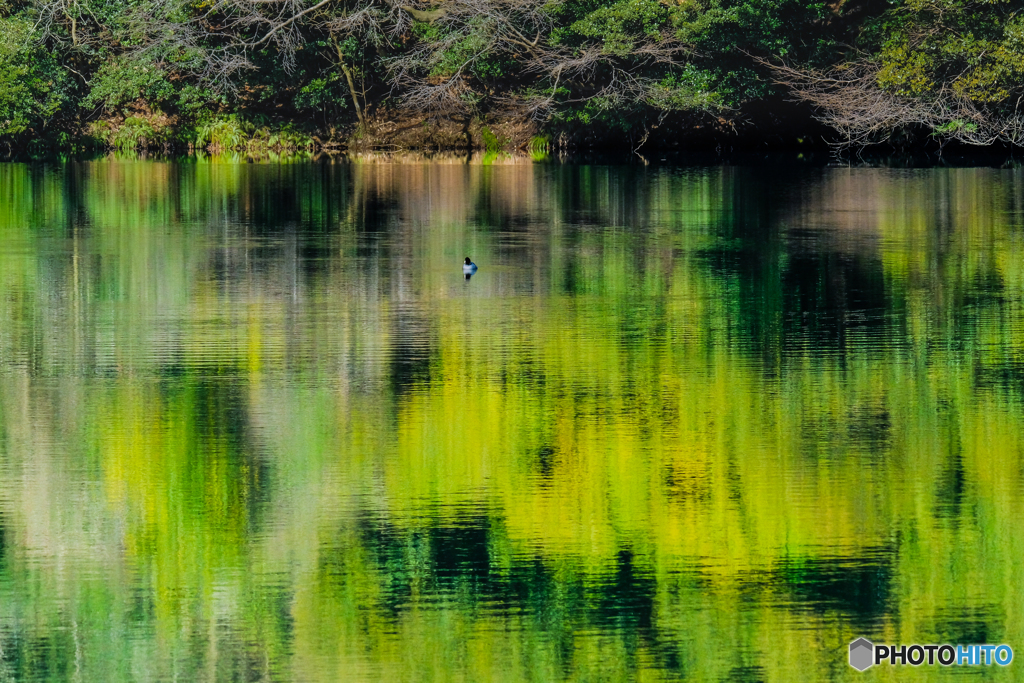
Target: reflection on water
point(255, 423)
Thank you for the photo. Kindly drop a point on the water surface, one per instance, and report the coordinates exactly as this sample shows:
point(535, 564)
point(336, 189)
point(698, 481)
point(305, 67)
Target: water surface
point(684, 423)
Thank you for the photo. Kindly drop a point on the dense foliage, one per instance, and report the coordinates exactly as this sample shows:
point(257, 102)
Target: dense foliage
point(289, 72)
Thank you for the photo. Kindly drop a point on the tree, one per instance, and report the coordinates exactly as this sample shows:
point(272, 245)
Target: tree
point(954, 68)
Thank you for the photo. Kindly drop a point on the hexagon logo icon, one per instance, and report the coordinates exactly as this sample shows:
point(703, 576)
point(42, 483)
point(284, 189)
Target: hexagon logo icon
point(862, 653)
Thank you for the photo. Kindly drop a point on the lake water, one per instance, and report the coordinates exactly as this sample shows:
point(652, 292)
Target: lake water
point(684, 423)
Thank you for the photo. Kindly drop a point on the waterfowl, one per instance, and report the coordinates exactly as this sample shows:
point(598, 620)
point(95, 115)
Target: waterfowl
point(468, 268)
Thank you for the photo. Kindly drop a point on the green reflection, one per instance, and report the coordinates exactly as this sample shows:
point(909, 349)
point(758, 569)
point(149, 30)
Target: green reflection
point(705, 423)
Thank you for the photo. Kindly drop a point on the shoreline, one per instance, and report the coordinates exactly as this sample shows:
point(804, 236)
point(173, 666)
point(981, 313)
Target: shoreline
point(766, 134)
point(795, 157)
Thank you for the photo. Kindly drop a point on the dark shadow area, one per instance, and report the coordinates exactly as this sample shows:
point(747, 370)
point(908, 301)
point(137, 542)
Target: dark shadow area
point(455, 563)
point(859, 587)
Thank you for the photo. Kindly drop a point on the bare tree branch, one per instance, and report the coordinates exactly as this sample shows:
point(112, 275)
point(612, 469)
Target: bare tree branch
point(851, 101)
point(287, 22)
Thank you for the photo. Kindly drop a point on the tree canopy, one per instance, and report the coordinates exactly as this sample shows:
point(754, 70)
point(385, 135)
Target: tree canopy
point(217, 72)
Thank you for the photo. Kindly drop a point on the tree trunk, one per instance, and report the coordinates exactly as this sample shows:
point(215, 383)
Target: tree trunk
point(351, 86)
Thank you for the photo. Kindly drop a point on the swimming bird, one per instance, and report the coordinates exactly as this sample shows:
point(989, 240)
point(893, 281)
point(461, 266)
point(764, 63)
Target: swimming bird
point(468, 268)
